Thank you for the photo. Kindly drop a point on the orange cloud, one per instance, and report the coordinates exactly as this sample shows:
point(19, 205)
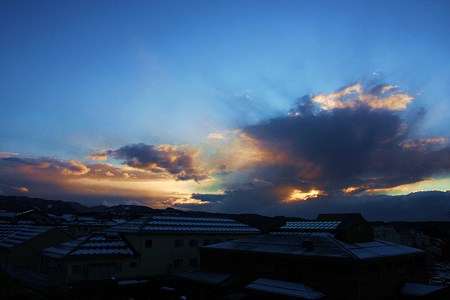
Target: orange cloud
point(299, 195)
point(423, 142)
point(354, 96)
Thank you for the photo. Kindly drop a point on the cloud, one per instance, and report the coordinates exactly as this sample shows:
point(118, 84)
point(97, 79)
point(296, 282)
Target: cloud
point(423, 143)
point(8, 154)
point(351, 142)
point(377, 97)
point(176, 160)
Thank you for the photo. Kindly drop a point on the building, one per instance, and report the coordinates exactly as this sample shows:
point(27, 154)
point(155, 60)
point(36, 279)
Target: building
point(387, 233)
point(335, 256)
point(95, 257)
point(19, 249)
point(169, 244)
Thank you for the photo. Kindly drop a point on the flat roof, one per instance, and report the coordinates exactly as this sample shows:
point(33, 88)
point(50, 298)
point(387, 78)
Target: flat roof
point(313, 244)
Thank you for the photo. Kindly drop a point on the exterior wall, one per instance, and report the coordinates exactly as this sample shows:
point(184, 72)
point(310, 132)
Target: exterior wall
point(171, 253)
point(65, 272)
point(81, 229)
point(338, 279)
point(387, 233)
point(25, 256)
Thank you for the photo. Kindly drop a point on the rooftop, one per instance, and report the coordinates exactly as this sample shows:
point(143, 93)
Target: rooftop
point(174, 224)
point(96, 244)
point(278, 287)
point(12, 235)
point(314, 244)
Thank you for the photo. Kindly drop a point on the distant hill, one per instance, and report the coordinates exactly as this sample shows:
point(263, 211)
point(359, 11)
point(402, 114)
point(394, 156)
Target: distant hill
point(58, 207)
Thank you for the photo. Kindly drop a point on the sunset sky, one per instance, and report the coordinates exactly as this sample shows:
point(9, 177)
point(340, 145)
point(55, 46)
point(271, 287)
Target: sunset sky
point(271, 107)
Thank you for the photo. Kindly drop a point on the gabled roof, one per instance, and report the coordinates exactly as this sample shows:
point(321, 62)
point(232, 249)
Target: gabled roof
point(175, 224)
point(12, 235)
point(313, 244)
point(94, 245)
point(293, 290)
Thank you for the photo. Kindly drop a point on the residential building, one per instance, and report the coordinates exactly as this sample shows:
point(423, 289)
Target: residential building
point(97, 256)
point(335, 256)
point(169, 244)
point(20, 245)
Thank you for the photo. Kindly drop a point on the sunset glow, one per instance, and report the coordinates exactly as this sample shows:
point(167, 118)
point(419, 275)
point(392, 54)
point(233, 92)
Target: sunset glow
point(253, 107)
point(298, 195)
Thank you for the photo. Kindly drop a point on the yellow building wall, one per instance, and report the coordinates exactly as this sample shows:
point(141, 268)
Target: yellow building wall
point(165, 257)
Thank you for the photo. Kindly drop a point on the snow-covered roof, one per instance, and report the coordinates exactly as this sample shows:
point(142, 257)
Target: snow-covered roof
point(96, 244)
point(291, 289)
point(12, 235)
point(314, 244)
point(174, 224)
point(312, 225)
point(418, 289)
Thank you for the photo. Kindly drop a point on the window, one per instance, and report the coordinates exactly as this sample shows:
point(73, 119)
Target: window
point(179, 243)
point(133, 264)
point(178, 263)
point(148, 243)
point(118, 267)
point(193, 262)
point(193, 243)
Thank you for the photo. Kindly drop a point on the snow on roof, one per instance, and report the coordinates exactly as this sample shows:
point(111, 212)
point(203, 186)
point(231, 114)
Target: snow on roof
point(322, 244)
point(96, 244)
point(206, 276)
point(419, 289)
point(287, 244)
point(286, 288)
point(378, 248)
point(173, 224)
point(312, 225)
point(12, 235)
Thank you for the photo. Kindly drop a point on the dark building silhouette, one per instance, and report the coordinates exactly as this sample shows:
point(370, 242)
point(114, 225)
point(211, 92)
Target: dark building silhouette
point(334, 256)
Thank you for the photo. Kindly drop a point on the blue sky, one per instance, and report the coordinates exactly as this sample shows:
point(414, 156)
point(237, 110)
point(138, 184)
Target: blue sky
point(86, 77)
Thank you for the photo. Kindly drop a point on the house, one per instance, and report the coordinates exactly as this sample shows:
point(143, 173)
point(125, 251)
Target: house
point(83, 225)
point(20, 245)
point(169, 244)
point(97, 256)
point(37, 217)
point(335, 256)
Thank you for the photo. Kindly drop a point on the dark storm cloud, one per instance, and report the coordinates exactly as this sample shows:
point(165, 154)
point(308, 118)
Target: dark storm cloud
point(178, 162)
point(351, 142)
point(349, 147)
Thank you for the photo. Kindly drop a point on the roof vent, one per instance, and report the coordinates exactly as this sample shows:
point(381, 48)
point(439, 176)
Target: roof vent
point(307, 244)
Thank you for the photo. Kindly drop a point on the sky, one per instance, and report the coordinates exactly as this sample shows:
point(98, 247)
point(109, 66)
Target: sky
point(272, 107)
